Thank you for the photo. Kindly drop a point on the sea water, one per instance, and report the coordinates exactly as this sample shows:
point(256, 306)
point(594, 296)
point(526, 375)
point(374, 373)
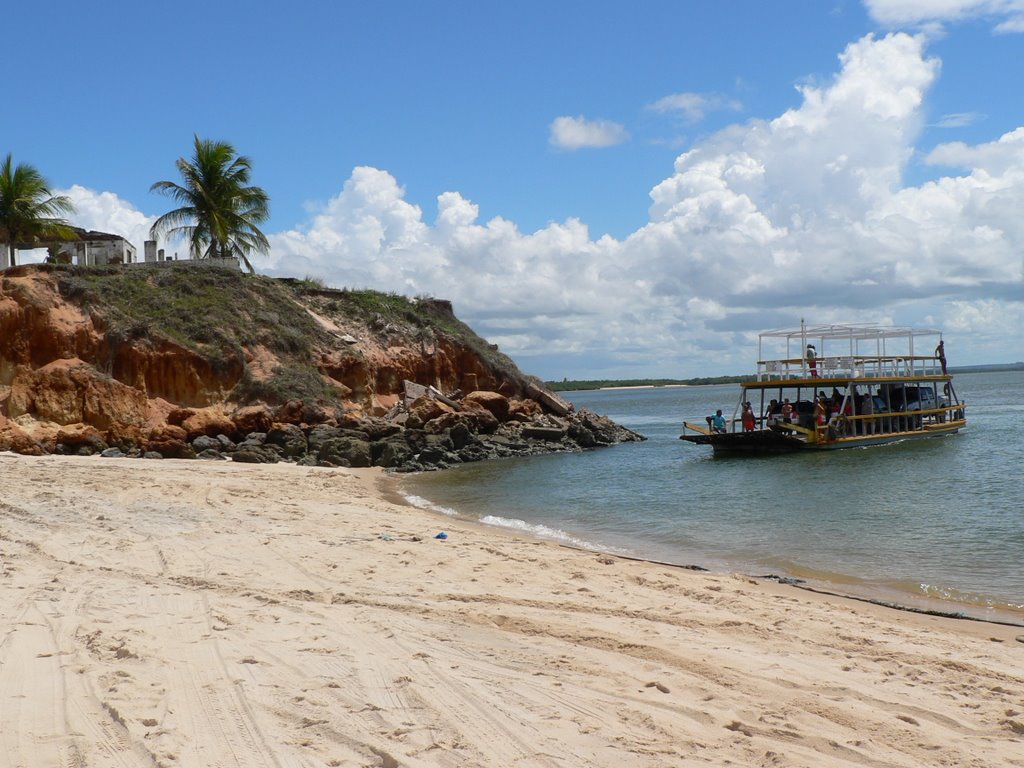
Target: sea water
point(936, 524)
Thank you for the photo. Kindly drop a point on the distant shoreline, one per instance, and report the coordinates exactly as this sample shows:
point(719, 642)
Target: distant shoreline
point(583, 385)
point(644, 386)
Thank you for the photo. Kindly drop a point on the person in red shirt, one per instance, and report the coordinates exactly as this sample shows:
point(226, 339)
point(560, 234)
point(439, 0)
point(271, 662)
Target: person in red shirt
point(748, 417)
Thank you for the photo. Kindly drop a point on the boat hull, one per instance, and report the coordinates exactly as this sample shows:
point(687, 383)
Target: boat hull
point(769, 441)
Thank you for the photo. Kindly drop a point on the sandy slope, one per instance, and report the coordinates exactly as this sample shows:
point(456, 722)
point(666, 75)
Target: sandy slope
point(210, 614)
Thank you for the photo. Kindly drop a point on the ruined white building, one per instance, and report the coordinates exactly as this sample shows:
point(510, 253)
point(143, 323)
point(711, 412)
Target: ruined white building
point(88, 248)
point(96, 248)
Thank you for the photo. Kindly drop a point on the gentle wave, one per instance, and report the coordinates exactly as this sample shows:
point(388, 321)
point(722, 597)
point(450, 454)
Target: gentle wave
point(969, 598)
point(545, 532)
point(532, 529)
point(421, 503)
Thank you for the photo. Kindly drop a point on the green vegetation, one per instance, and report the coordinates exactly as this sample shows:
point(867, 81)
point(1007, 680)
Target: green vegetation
point(28, 212)
point(423, 318)
point(214, 312)
point(224, 315)
point(220, 212)
point(565, 385)
point(286, 382)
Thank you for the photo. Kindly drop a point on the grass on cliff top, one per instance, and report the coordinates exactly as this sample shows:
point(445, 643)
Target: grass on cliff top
point(219, 313)
point(375, 308)
point(414, 318)
point(214, 312)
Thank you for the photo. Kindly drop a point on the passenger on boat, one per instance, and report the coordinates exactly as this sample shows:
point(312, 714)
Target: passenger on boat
point(811, 362)
point(940, 352)
point(748, 417)
point(772, 414)
point(787, 410)
point(820, 410)
point(867, 408)
point(718, 422)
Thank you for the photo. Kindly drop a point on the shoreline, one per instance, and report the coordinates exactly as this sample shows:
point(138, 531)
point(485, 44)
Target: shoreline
point(891, 596)
point(192, 613)
point(913, 605)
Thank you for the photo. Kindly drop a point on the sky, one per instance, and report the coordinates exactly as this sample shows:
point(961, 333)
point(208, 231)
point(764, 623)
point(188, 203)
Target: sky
point(606, 190)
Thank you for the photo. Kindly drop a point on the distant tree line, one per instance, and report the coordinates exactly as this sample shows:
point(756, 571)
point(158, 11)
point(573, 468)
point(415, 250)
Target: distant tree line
point(570, 385)
point(574, 385)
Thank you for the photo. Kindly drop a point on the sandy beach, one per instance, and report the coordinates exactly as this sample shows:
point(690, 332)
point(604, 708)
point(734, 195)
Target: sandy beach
point(178, 613)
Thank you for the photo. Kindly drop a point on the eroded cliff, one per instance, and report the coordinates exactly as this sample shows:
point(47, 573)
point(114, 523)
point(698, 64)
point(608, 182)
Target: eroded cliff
point(148, 359)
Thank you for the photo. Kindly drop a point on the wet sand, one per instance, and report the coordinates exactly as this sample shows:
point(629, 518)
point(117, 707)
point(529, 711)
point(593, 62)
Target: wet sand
point(197, 614)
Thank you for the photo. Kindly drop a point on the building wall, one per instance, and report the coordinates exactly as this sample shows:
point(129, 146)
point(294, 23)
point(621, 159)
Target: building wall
point(99, 252)
point(232, 264)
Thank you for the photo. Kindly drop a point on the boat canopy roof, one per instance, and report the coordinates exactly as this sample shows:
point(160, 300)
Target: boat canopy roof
point(848, 332)
point(849, 349)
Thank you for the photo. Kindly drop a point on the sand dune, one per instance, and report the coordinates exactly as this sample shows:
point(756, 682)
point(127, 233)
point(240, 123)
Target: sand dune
point(210, 614)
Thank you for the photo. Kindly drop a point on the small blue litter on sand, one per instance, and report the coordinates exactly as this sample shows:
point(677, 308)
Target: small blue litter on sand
point(441, 535)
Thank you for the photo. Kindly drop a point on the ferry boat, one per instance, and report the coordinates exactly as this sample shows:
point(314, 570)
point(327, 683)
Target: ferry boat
point(838, 386)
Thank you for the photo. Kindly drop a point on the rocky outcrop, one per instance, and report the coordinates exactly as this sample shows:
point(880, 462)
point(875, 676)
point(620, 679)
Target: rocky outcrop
point(123, 362)
point(448, 439)
point(71, 391)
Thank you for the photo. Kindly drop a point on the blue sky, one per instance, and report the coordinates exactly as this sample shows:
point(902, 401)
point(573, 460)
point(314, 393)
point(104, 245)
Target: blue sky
point(604, 189)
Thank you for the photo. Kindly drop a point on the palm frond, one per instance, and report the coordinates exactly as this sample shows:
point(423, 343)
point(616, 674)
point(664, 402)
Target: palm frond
point(220, 210)
point(28, 210)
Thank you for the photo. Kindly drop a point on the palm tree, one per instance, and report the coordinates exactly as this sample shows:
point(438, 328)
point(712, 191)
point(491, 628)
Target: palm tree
point(28, 212)
point(219, 211)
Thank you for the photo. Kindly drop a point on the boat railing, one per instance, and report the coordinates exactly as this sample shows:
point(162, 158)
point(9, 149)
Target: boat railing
point(889, 422)
point(849, 366)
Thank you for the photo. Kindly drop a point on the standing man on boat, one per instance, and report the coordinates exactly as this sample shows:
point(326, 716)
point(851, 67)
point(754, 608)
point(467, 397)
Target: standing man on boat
point(940, 352)
point(811, 362)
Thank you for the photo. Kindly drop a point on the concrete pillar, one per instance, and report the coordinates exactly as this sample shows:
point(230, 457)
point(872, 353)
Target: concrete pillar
point(150, 250)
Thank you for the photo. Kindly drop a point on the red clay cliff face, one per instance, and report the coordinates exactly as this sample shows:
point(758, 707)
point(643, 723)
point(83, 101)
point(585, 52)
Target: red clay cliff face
point(173, 373)
point(71, 391)
point(65, 378)
point(38, 327)
point(382, 369)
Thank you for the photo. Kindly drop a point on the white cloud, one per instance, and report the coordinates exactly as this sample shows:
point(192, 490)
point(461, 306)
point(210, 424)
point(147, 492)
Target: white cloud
point(694, 106)
point(106, 212)
point(996, 157)
point(578, 132)
point(959, 119)
point(1009, 14)
point(804, 215)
